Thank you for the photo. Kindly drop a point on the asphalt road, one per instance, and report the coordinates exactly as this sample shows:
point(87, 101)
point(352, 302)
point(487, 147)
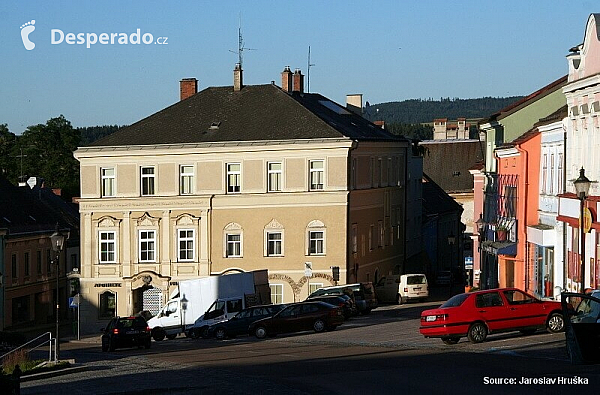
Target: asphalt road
point(376, 354)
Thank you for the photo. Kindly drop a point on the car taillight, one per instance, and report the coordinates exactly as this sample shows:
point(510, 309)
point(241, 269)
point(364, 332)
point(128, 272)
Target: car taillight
point(405, 289)
point(148, 329)
point(116, 331)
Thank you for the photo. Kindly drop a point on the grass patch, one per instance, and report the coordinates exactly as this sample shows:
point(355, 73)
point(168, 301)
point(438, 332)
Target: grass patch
point(28, 366)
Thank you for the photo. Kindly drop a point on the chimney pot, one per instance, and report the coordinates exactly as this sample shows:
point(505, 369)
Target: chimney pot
point(187, 87)
point(298, 81)
point(286, 79)
point(238, 82)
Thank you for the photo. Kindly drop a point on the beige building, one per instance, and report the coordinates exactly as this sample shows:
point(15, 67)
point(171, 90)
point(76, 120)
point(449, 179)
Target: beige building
point(238, 178)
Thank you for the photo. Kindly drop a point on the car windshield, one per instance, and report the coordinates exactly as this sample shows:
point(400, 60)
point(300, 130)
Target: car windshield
point(455, 301)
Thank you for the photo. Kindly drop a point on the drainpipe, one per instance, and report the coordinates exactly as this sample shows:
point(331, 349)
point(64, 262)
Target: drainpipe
point(524, 226)
point(349, 254)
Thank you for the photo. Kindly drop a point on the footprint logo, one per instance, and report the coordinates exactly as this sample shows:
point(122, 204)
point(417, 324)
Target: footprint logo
point(26, 29)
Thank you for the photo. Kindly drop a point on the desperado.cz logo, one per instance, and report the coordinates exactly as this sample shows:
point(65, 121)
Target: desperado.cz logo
point(57, 36)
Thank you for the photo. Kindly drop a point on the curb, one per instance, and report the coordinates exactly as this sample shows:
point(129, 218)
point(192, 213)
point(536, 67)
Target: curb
point(53, 373)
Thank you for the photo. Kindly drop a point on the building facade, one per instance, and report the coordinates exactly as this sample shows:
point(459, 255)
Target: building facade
point(237, 179)
point(582, 254)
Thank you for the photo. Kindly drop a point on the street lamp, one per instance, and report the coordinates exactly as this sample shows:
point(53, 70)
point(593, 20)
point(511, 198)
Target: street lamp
point(582, 186)
point(451, 240)
point(58, 240)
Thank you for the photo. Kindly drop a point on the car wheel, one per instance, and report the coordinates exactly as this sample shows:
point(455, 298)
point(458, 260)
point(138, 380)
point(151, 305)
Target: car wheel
point(147, 344)
point(111, 345)
point(220, 333)
point(399, 299)
point(158, 334)
point(319, 326)
point(477, 332)
point(450, 340)
point(171, 337)
point(204, 332)
point(556, 323)
point(260, 332)
point(104, 345)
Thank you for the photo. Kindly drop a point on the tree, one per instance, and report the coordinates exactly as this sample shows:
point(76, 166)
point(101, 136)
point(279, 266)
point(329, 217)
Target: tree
point(49, 148)
point(8, 142)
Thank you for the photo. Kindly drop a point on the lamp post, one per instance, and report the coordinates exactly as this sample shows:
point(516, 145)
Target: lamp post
point(451, 241)
point(582, 186)
point(57, 239)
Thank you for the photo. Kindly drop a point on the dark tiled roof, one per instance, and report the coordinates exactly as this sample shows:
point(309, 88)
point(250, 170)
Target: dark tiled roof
point(448, 162)
point(26, 210)
point(255, 113)
point(436, 201)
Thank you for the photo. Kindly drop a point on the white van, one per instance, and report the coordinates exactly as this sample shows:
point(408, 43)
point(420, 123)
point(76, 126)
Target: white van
point(401, 288)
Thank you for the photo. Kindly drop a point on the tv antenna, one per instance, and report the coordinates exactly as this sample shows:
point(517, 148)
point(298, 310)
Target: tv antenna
point(241, 47)
point(308, 72)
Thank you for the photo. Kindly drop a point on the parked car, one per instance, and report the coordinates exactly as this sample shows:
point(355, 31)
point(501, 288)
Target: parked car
point(444, 278)
point(343, 301)
point(297, 317)
point(401, 288)
point(239, 323)
point(479, 313)
point(124, 332)
point(363, 295)
point(582, 329)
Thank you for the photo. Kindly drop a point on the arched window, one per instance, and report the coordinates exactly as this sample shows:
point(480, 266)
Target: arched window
point(316, 238)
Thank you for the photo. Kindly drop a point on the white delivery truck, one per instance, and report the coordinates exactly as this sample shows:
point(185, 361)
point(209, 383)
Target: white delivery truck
point(194, 297)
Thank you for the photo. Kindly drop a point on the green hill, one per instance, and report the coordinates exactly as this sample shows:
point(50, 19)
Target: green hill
point(415, 111)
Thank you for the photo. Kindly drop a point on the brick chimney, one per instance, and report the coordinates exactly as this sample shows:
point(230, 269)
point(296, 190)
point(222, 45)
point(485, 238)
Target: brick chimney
point(187, 87)
point(298, 81)
point(238, 82)
point(286, 79)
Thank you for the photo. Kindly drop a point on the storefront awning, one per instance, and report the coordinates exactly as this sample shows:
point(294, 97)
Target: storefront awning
point(500, 247)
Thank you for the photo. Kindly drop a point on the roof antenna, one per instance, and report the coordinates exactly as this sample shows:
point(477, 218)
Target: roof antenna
point(308, 72)
point(241, 47)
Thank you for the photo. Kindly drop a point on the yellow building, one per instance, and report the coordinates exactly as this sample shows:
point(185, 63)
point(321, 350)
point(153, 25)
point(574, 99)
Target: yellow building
point(238, 178)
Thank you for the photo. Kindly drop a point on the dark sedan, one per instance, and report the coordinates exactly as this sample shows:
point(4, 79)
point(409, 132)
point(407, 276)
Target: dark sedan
point(239, 323)
point(343, 301)
point(318, 316)
point(126, 332)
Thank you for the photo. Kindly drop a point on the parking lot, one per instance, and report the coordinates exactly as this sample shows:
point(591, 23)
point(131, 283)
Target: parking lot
point(383, 347)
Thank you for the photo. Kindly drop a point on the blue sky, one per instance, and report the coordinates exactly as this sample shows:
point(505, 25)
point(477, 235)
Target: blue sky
point(386, 50)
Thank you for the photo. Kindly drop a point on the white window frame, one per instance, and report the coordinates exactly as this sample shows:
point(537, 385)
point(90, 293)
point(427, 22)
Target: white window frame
point(107, 179)
point(186, 238)
point(150, 179)
point(276, 293)
point(236, 186)
point(234, 242)
point(107, 242)
point(186, 179)
point(274, 175)
point(316, 240)
point(273, 243)
point(317, 175)
point(147, 250)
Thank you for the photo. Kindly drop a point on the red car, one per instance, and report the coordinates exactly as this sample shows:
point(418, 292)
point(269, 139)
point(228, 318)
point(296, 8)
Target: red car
point(476, 314)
